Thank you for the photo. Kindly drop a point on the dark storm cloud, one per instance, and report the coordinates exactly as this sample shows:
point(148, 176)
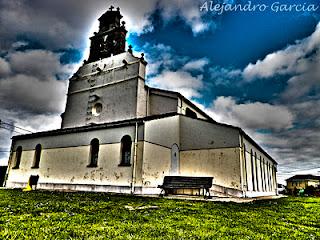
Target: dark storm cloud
point(66, 24)
point(55, 24)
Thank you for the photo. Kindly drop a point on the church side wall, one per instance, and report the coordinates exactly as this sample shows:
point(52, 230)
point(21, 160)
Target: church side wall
point(159, 104)
point(198, 134)
point(64, 165)
point(259, 171)
point(222, 164)
point(156, 165)
point(160, 135)
point(209, 149)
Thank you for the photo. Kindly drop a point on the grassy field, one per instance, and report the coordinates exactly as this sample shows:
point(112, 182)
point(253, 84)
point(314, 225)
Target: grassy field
point(47, 215)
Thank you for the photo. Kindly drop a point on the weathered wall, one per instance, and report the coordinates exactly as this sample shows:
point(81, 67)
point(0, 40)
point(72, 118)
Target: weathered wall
point(69, 165)
point(156, 165)
point(160, 104)
point(163, 132)
point(64, 159)
point(160, 135)
point(222, 164)
point(198, 134)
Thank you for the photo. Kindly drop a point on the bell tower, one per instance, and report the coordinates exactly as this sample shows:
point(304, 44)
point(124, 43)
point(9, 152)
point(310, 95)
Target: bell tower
point(111, 38)
point(110, 85)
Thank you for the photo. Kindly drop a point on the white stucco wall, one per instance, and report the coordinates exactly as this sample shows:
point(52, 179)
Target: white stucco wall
point(221, 164)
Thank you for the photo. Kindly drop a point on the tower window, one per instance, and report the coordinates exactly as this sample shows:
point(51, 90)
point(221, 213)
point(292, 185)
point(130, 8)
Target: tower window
point(18, 157)
point(126, 144)
point(37, 156)
point(94, 152)
point(97, 109)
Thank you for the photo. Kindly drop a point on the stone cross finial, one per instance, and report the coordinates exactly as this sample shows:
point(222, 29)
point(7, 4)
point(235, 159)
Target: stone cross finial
point(130, 49)
point(111, 8)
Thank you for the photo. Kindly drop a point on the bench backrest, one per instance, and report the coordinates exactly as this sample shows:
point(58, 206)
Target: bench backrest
point(181, 181)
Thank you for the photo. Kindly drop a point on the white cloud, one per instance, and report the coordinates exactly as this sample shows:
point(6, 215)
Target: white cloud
point(188, 10)
point(254, 115)
point(198, 65)
point(290, 60)
point(301, 61)
point(179, 81)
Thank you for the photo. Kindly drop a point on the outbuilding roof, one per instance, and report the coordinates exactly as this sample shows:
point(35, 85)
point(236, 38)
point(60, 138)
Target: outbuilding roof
point(303, 177)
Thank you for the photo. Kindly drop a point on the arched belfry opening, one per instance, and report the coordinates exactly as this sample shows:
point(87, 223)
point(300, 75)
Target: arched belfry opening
point(111, 38)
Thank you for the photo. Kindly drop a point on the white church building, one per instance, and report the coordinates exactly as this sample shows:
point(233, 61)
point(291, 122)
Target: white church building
point(119, 135)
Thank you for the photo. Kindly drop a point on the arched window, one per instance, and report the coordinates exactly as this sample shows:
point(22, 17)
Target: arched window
point(190, 113)
point(94, 152)
point(175, 160)
point(126, 144)
point(18, 157)
point(37, 156)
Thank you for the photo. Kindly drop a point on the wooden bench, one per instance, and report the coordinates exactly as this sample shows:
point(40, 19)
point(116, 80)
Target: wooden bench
point(171, 183)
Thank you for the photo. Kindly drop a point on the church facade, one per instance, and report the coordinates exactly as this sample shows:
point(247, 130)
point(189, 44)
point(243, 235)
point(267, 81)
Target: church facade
point(120, 135)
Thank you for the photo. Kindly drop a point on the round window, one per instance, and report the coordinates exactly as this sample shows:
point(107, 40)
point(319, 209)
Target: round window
point(97, 109)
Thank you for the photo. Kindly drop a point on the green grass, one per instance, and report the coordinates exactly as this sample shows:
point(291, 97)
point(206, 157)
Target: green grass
point(58, 215)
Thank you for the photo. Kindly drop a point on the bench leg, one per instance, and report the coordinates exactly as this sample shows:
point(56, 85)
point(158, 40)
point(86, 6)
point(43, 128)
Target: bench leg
point(207, 193)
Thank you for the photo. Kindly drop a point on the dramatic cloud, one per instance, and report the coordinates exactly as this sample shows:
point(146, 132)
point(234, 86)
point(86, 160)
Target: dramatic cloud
point(26, 93)
point(301, 60)
point(32, 85)
point(290, 60)
point(179, 81)
point(33, 93)
point(38, 63)
point(187, 10)
point(254, 115)
point(66, 24)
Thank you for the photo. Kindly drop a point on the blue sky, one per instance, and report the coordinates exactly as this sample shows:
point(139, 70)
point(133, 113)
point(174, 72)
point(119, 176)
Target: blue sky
point(258, 70)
